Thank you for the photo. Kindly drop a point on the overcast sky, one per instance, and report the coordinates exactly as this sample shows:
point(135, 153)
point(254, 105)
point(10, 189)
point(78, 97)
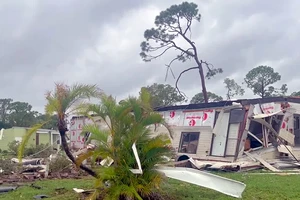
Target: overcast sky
point(97, 42)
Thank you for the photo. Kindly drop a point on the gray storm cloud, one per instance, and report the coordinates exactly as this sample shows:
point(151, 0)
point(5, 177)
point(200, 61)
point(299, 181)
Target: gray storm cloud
point(92, 41)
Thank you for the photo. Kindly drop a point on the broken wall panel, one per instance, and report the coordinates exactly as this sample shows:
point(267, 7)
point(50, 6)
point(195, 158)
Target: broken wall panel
point(75, 133)
point(220, 135)
point(272, 107)
point(77, 123)
point(245, 131)
point(232, 139)
point(287, 136)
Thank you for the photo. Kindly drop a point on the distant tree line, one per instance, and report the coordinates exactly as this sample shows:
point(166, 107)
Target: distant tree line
point(260, 80)
point(16, 113)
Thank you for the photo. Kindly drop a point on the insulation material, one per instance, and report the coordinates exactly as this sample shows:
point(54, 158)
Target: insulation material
point(256, 109)
point(288, 119)
point(268, 108)
point(77, 140)
point(199, 118)
point(193, 118)
point(88, 121)
point(173, 118)
point(208, 118)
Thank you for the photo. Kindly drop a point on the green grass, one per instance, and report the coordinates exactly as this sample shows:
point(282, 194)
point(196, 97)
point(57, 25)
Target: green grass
point(258, 187)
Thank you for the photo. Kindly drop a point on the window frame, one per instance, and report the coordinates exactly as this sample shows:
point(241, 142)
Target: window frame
point(197, 133)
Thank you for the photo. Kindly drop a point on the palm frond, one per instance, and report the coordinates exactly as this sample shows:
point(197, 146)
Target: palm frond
point(100, 135)
point(153, 118)
point(25, 139)
point(83, 157)
point(93, 196)
point(64, 97)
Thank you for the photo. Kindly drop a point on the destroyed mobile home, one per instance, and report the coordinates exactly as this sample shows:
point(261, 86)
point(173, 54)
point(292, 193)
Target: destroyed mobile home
point(236, 135)
point(228, 135)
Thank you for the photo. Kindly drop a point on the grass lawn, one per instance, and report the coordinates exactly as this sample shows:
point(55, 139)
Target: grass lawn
point(258, 187)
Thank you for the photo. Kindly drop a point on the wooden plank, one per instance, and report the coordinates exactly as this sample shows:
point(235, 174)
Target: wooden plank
point(283, 149)
point(287, 136)
point(262, 161)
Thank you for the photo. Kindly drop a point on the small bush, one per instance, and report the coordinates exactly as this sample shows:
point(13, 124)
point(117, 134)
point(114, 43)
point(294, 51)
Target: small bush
point(38, 151)
point(59, 163)
point(6, 166)
point(13, 147)
point(35, 151)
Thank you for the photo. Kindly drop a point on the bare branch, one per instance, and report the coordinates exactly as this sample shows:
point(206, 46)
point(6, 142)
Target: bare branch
point(176, 84)
point(207, 65)
point(154, 57)
point(188, 26)
point(178, 21)
point(169, 67)
point(151, 49)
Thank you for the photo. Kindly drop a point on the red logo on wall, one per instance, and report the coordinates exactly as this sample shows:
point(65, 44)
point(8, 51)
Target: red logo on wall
point(283, 125)
point(172, 114)
point(192, 122)
point(205, 116)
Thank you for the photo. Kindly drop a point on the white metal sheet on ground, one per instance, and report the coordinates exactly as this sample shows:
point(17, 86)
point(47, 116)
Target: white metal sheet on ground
point(207, 180)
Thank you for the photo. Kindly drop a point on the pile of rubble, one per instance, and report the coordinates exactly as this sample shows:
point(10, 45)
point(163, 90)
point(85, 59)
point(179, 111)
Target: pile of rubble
point(254, 159)
point(38, 168)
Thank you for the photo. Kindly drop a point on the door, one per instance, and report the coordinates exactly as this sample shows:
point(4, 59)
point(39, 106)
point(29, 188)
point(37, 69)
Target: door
point(220, 135)
point(37, 139)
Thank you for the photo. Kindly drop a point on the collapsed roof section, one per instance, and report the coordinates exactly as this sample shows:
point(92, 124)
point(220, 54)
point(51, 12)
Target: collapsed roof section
point(242, 102)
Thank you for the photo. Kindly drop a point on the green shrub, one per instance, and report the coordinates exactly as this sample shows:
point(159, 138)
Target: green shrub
point(6, 166)
point(59, 163)
point(34, 151)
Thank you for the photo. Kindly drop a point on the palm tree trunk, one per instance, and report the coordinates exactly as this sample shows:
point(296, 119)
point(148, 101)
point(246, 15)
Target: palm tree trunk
point(65, 146)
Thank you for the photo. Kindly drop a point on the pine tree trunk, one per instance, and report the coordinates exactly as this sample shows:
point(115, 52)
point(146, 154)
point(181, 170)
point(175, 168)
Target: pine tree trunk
point(204, 92)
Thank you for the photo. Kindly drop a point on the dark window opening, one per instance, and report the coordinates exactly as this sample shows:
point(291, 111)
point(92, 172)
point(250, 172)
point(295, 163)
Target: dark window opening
point(297, 130)
point(276, 122)
point(236, 116)
point(189, 142)
point(256, 129)
point(297, 123)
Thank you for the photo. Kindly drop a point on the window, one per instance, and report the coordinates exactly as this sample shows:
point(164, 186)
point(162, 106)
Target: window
point(236, 116)
point(189, 142)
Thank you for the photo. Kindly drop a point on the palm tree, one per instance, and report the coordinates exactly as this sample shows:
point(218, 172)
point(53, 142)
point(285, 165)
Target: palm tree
point(62, 102)
point(127, 124)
